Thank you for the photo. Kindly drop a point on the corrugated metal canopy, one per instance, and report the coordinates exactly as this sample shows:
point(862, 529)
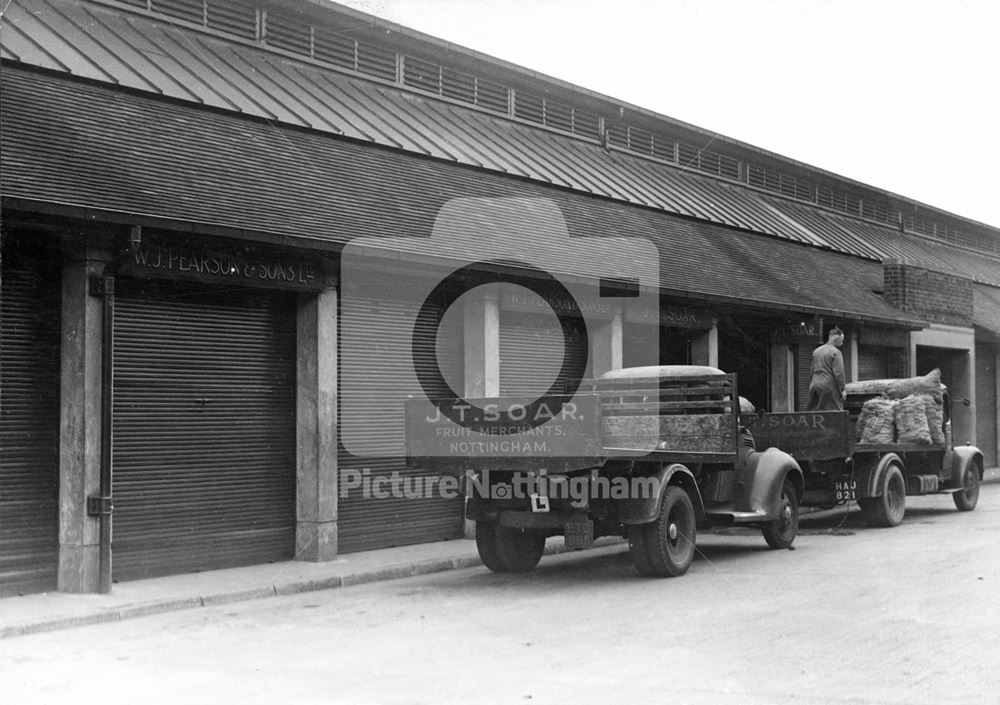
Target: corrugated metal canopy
point(81, 145)
point(110, 45)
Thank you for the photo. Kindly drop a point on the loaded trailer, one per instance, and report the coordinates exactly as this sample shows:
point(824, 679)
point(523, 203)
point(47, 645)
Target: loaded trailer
point(842, 463)
point(650, 453)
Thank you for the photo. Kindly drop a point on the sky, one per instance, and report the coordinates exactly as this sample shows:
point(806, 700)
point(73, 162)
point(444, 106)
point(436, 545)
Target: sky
point(900, 95)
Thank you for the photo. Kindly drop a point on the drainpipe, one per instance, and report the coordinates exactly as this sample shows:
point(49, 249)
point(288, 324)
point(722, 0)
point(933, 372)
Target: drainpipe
point(101, 504)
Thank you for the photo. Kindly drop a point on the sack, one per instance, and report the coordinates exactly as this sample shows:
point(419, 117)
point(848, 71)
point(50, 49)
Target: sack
point(930, 384)
point(935, 418)
point(876, 424)
point(911, 421)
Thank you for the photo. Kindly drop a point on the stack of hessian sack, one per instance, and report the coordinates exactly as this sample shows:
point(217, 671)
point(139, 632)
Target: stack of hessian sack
point(908, 411)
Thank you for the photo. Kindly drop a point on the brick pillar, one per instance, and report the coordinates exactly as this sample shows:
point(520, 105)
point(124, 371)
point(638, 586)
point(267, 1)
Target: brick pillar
point(316, 428)
point(80, 420)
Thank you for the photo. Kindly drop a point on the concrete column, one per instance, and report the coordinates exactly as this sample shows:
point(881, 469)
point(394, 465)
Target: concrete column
point(705, 347)
point(482, 343)
point(482, 352)
point(852, 357)
point(606, 347)
point(782, 378)
point(316, 428)
point(80, 421)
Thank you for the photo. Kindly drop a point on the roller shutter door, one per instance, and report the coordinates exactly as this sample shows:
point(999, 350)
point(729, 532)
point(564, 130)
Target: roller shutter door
point(531, 353)
point(204, 430)
point(803, 374)
point(369, 522)
point(29, 421)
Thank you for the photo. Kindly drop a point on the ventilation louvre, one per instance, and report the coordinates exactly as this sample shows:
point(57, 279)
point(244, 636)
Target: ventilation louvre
point(236, 18)
point(290, 35)
point(336, 49)
point(377, 62)
point(187, 10)
point(422, 74)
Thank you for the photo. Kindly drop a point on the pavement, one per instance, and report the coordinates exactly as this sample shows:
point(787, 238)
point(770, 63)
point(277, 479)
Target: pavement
point(50, 611)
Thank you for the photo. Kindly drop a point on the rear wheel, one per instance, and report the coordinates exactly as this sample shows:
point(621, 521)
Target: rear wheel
point(967, 498)
point(781, 532)
point(506, 550)
point(665, 547)
point(887, 509)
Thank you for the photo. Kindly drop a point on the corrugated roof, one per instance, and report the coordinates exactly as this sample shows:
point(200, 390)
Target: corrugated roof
point(89, 148)
point(110, 45)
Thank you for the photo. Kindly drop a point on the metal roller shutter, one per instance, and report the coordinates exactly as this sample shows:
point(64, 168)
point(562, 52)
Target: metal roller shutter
point(531, 353)
point(29, 421)
point(204, 430)
point(803, 374)
point(371, 522)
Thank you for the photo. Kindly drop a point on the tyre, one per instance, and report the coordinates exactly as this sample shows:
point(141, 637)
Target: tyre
point(665, 547)
point(888, 508)
point(506, 550)
point(781, 532)
point(967, 498)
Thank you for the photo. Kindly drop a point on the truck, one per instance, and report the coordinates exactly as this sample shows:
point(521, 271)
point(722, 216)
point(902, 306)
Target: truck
point(840, 468)
point(651, 454)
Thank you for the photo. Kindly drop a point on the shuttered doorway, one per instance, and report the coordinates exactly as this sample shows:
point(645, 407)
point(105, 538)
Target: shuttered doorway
point(29, 419)
point(532, 349)
point(369, 522)
point(204, 429)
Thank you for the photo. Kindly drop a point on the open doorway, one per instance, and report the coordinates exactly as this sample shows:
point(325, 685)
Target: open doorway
point(956, 376)
point(744, 346)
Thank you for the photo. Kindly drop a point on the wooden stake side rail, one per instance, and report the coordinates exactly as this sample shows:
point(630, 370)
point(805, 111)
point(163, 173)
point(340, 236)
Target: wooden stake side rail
point(691, 418)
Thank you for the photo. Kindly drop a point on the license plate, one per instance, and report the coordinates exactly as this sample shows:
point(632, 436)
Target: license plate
point(845, 490)
point(580, 534)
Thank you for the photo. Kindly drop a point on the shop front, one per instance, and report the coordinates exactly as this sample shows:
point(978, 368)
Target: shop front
point(683, 334)
point(204, 417)
point(29, 413)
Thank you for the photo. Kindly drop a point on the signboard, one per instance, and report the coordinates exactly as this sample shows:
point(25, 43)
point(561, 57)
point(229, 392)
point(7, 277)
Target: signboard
point(504, 427)
point(520, 299)
point(670, 316)
point(807, 435)
point(219, 262)
point(803, 332)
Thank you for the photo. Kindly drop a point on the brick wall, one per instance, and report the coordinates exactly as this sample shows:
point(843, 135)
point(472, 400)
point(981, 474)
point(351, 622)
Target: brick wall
point(934, 296)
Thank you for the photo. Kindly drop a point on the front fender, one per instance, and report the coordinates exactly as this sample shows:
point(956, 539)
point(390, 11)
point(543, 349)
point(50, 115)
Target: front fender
point(962, 459)
point(642, 507)
point(763, 478)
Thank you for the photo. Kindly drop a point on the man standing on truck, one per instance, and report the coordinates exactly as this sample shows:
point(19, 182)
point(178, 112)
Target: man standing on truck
point(828, 384)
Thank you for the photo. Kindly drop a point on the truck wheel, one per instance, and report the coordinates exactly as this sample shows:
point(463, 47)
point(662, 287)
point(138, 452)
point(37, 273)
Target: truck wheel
point(781, 532)
point(967, 498)
point(506, 550)
point(665, 547)
point(888, 509)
